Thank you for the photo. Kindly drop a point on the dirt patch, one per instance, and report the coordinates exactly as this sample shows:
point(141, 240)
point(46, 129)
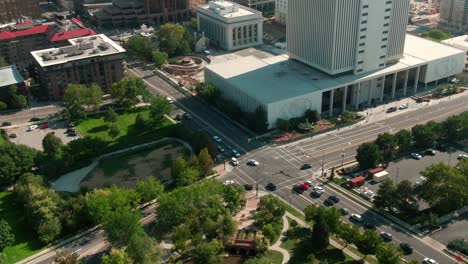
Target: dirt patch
point(127, 170)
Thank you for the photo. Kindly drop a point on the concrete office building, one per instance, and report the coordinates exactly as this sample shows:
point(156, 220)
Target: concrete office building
point(454, 16)
point(343, 55)
point(460, 42)
point(87, 60)
point(229, 25)
point(17, 9)
point(260, 5)
point(281, 11)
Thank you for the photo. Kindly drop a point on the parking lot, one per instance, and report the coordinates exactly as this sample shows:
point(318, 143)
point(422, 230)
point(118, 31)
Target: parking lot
point(34, 138)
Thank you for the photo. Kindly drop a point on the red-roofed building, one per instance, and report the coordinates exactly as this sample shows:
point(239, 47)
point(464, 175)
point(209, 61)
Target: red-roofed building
point(17, 42)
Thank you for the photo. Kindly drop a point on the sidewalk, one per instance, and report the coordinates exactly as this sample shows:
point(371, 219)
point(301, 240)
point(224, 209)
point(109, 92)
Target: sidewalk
point(277, 245)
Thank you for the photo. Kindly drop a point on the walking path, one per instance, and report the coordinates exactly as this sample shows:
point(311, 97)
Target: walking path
point(277, 245)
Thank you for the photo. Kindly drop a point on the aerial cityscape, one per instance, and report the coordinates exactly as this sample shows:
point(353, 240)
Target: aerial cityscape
point(234, 132)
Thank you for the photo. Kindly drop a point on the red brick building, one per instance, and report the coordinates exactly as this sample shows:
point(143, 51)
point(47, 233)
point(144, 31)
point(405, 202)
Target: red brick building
point(16, 9)
point(87, 60)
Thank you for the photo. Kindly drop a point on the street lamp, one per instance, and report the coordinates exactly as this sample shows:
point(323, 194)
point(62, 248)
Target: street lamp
point(290, 196)
point(342, 158)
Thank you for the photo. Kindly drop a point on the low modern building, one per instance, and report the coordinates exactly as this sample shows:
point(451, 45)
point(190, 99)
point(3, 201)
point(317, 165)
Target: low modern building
point(9, 75)
point(286, 88)
point(87, 60)
point(460, 42)
point(229, 25)
point(18, 40)
point(281, 11)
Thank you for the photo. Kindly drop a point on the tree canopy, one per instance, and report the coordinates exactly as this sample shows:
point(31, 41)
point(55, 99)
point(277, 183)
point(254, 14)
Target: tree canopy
point(159, 107)
point(128, 91)
point(7, 238)
point(15, 160)
point(78, 98)
point(52, 145)
point(174, 39)
point(368, 155)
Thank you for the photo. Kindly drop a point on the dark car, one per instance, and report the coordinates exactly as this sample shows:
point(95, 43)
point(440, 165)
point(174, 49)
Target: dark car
point(298, 189)
point(306, 166)
point(429, 152)
point(187, 116)
point(71, 130)
point(6, 123)
point(271, 187)
point(70, 124)
point(315, 194)
point(334, 198)
point(441, 147)
point(328, 202)
point(370, 226)
point(34, 119)
point(72, 134)
point(391, 110)
point(344, 211)
point(407, 248)
point(386, 236)
point(13, 136)
point(248, 187)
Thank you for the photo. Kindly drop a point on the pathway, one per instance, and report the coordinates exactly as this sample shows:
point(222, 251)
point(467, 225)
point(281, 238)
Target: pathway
point(277, 245)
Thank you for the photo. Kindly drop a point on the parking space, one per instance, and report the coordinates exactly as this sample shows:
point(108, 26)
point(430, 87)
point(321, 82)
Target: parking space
point(456, 229)
point(33, 138)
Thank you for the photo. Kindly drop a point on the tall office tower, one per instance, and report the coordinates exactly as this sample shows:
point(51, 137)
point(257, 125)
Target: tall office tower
point(15, 9)
point(454, 16)
point(341, 36)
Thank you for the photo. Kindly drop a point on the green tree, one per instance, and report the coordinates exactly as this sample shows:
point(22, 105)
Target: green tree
point(423, 136)
point(348, 116)
point(388, 254)
point(143, 249)
point(174, 39)
point(66, 257)
point(320, 232)
point(52, 145)
point(387, 145)
point(404, 140)
point(368, 155)
point(15, 160)
point(140, 121)
point(386, 195)
point(227, 226)
point(187, 176)
point(121, 225)
point(128, 91)
point(436, 35)
point(7, 238)
point(205, 162)
point(178, 166)
point(49, 228)
point(210, 92)
point(78, 98)
point(159, 107)
point(283, 124)
point(3, 106)
point(349, 233)
point(406, 200)
point(180, 237)
point(452, 128)
point(114, 130)
point(116, 256)
point(149, 189)
point(160, 58)
point(140, 46)
point(258, 120)
point(3, 62)
point(200, 140)
point(270, 210)
point(208, 252)
point(369, 242)
point(110, 116)
point(271, 231)
point(332, 174)
point(312, 115)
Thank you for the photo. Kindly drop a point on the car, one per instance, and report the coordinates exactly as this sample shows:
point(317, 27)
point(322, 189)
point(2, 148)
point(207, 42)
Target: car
point(271, 187)
point(252, 162)
point(70, 124)
point(220, 149)
point(441, 147)
point(34, 119)
point(407, 248)
point(334, 198)
point(178, 117)
point(319, 189)
point(386, 236)
point(187, 116)
point(328, 202)
point(304, 186)
point(13, 136)
point(248, 187)
point(429, 261)
point(44, 126)
point(306, 166)
point(235, 153)
point(416, 156)
point(369, 225)
point(229, 182)
point(169, 99)
point(315, 194)
point(32, 127)
point(391, 109)
point(309, 183)
point(234, 161)
point(70, 130)
point(6, 123)
point(344, 211)
point(217, 139)
point(356, 217)
point(430, 152)
point(72, 134)
point(462, 157)
point(298, 189)
point(403, 106)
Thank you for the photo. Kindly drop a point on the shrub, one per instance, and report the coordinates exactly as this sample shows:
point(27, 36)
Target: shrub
point(459, 245)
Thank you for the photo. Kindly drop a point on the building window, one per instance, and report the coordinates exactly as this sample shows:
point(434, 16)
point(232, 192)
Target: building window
point(386, 17)
point(360, 62)
point(363, 29)
point(365, 6)
point(382, 57)
point(387, 10)
point(382, 64)
point(363, 22)
point(385, 32)
point(384, 39)
point(361, 51)
point(360, 70)
point(386, 24)
point(364, 14)
point(361, 44)
point(388, 2)
point(383, 46)
point(362, 37)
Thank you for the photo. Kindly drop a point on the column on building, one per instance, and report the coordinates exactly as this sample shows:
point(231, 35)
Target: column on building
point(382, 84)
point(369, 97)
point(331, 103)
point(358, 95)
point(394, 80)
point(406, 82)
point(345, 94)
point(416, 80)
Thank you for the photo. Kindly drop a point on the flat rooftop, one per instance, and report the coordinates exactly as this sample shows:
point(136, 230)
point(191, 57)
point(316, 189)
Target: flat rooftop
point(9, 75)
point(80, 48)
point(460, 42)
point(227, 9)
point(275, 78)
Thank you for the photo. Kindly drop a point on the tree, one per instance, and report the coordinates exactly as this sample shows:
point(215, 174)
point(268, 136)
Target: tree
point(332, 175)
point(3, 62)
point(368, 155)
point(140, 46)
point(258, 120)
point(387, 145)
point(349, 233)
point(227, 226)
point(208, 252)
point(270, 210)
point(78, 98)
point(404, 140)
point(180, 237)
point(406, 200)
point(205, 162)
point(312, 115)
point(121, 225)
point(149, 189)
point(52, 145)
point(368, 242)
point(140, 121)
point(49, 228)
point(128, 91)
point(66, 257)
point(452, 128)
point(160, 58)
point(3, 106)
point(174, 39)
point(159, 107)
point(436, 35)
point(388, 254)
point(7, 238)
point(423, 136)
point(143, 249)
point(386, 195)
point(187, 176)
point(116, 256)
point(114, 130)
point(110, 116)
point(320, 232)
point(178, 165)
point(348, 116)
point(15, 160)
point(210, 92)
point(283, 124)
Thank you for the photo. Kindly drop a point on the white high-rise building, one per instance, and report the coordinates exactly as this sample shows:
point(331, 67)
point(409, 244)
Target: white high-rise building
point(281, 11)
point(454, 16)
point(340, 36)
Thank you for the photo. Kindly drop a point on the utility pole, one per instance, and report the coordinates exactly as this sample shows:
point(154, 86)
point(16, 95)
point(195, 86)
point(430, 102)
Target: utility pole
point(323, 161)
point(342, 158)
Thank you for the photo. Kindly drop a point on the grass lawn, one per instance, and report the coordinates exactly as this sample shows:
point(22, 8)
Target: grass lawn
point(274, 257)
point(26, 243)
point(95, 126)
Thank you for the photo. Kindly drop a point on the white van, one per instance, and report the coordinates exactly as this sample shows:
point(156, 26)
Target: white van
point(234, 161)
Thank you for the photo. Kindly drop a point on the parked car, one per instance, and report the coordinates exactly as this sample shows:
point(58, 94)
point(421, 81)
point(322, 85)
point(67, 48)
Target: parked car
point(403, 106)
point(391, 109)
point(334, 198)
point(217, 139)
point(430, 152)
point(234, 161)
point(6, 123)
point(70, 124)
point(44, 126)
point(315, 194)
point(187, 116)
point(72, 134)
point(407, 248)
point(298, 189)
point(370, 226)
point(252, 162)
point(271, 187)
point(416, 156)
point(169, 99)
point(248, 187)
point(32, 127)
point(328, 202)
point(178, 117)
point(220, 149)
point(70, 130)
point(309, 183)
point(13, 136)
point(356, 217)
point(304, 186)
point(386, 236)
point(344, 211)
point(34, 119)
point(235, 153)
point(229, 182)
point(429, 261)
point(319, 189)
point(462, 157)
point(306, 166)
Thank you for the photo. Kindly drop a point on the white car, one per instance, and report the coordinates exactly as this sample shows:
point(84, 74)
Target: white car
point(32, 127)
point(217, 139)
point(252, 162)
point(386, 236)
point(234, 161)
point(309, 183)
point(169, 100)
point(356, 217)
point(229, 182)
point(429, 261)
point(318, 189)
point(403, 106)
point(462, 156)
point(416, 156)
